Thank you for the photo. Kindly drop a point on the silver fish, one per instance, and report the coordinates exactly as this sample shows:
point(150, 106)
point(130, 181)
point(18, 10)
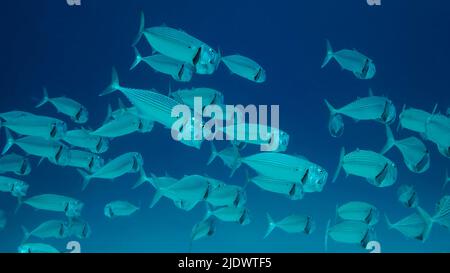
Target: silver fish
point(39, 126)
point(359, 211)
point(84, 139)
point(229, 214)
point(79, 228)
point(85, 160)
point(296, 169)
point(336, 125)
point(442, 214)
point(374, 167)
point(208, 95)
point(437, 130)
point(351, 60)
point(245, 67)
point(415, 154)
point(416, 226)
point(15, 163)
point(37, 248)
point(349, 232)
point(127, 163)
point(119, 208)
point(179, 71)
point(123, 125)
point(294, 223)
point(38, 146)
point(15, 187)
point(226, 195)
point(58, 203)
point(49, 229)
point(180, 46)
point(407, 196)
point(293, 191)
point(375, 108)
point(203, 229)
point(413, 119)
point(230, 157)
point(77, 112)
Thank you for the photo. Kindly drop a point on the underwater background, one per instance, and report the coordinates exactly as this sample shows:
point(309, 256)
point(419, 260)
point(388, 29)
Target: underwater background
point(71, 49)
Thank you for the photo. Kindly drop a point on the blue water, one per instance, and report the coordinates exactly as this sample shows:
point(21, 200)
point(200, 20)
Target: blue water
point(71, 51)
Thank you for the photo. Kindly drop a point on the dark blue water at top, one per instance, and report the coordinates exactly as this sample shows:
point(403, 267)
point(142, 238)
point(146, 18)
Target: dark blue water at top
point(71, 51)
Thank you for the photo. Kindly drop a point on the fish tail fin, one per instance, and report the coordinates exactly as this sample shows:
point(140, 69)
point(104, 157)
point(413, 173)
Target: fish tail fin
point(428, 222)
point(388, 222)
point(208, 212)
point(141, 29)
point(26, 234)
point(86, 178)
point(339, 167)
point(156, 198)
point(447, 179)
point(271, 225)
point(142, 179)
point(329, 55)
point(390, 140)
point(44, 98)
point(213, 154)
point(326, 235)
point(114, 86)
point(330, 108)
point(137, 59)
point(9, 141)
